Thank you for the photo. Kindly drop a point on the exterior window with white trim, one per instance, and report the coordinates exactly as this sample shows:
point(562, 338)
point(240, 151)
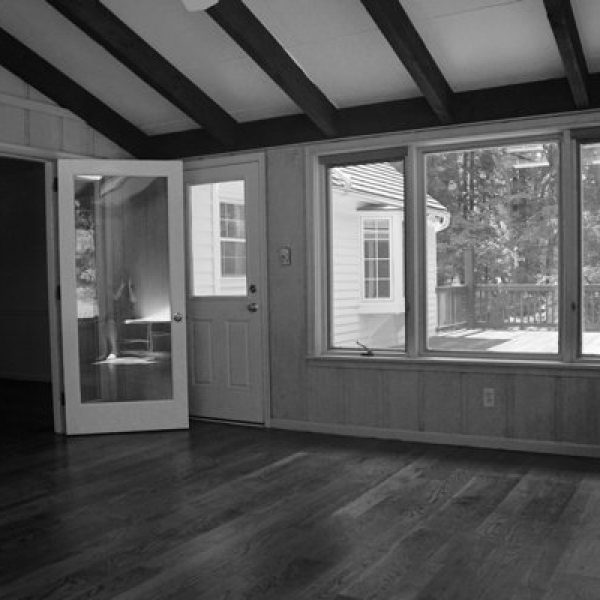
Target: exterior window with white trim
point(376, 240)
point(233, 239)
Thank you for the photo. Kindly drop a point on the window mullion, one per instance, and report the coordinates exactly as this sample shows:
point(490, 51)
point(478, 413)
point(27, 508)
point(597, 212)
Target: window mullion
point(414, 245)
point(570, 305)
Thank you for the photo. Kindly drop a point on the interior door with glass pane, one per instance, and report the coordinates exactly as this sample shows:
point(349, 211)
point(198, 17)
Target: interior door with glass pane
point(122, 295)
point(226, 291)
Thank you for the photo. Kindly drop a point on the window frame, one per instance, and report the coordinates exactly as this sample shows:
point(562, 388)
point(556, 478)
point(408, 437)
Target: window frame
point(420, 233)
point(569, 130)
point(323, 339)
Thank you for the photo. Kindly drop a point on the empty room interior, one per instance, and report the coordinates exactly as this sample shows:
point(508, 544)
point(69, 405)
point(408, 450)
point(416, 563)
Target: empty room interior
point(301, 299)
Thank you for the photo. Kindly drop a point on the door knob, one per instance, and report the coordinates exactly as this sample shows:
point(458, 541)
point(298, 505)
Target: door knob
point(177, 317)
point(252, 307)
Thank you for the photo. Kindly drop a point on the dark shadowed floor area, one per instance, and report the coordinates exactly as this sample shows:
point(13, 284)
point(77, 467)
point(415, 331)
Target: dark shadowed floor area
point(232, 512)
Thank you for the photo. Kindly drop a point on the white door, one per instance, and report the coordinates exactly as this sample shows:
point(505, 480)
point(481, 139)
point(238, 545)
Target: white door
point(227, 324)
point(122, 295)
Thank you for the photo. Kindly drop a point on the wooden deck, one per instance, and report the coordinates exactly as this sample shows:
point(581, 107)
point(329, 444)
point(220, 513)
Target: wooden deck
point(229, 513)
point(498, 340)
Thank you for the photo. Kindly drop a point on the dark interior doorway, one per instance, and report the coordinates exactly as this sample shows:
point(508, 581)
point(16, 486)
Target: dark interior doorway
point(25, 373)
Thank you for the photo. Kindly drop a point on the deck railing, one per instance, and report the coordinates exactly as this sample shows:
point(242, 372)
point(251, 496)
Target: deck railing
point(508, 306)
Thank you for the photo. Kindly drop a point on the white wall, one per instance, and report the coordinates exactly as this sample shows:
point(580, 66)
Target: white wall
point(31, 121)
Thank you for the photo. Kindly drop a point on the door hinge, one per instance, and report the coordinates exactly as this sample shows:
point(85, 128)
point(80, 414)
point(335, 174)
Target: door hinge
point(57, 293)
point(62, 399)
point(55, 185)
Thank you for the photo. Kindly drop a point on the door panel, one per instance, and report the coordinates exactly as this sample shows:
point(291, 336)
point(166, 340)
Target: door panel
point(120, 244)
point(227, 337)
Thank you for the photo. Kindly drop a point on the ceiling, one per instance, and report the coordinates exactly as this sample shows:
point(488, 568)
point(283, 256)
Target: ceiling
point(337, 44)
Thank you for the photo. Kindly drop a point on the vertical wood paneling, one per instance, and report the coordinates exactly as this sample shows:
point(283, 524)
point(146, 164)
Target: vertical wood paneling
point(400, 399)
point(12, 125)
point(577, 419)
point(325, 397)
point(45, 131)
point(363, 397)
point(442, 405)
point(76, 137)
point(287, 284)
point(480, 420)
point(534, 416)
point(47, 127)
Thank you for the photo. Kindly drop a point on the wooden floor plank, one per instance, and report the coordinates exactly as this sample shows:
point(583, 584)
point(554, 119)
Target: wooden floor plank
point(231, 512)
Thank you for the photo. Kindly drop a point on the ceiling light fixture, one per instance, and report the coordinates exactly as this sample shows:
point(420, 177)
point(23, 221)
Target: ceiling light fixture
point(196, 5)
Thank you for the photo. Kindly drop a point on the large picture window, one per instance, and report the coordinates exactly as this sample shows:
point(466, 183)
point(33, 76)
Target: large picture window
point(496, 246)
point(493, 272)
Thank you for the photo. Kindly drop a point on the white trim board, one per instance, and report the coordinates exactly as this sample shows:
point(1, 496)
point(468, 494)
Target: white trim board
point(433, 437)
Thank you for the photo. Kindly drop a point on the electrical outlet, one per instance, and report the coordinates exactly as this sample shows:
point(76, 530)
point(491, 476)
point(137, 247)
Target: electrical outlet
point(489, 397)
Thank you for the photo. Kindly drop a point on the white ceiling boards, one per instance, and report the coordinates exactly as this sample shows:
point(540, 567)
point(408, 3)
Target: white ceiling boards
point(343, 68)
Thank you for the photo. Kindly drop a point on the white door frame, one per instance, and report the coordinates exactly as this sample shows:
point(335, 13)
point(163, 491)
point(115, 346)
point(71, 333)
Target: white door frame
point(262, 281)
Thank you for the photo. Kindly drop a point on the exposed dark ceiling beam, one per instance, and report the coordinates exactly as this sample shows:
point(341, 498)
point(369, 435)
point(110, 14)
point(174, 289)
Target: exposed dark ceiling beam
point(116, 37)
point(250, 34)
point(398, 30)
point(505, 102)
point(562, 21)
point(40, 74)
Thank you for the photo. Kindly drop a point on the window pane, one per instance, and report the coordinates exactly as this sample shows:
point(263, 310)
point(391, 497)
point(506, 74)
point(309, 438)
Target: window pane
point(383, 269)
point(370, 269)
point(492, 237)
point(590, 256)
point(217, 238)
point(366, 293)
point(370, 249)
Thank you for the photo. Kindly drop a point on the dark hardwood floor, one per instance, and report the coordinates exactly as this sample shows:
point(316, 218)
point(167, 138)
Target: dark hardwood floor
point(232, 512)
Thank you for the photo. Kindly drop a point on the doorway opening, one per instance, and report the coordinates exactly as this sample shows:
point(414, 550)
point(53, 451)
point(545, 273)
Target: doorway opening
point(25, 371)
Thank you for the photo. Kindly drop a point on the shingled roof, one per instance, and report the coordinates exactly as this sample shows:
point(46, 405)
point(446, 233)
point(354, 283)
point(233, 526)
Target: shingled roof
point(378, 179)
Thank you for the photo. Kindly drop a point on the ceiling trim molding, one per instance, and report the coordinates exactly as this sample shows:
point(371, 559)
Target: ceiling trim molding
point(398, 30)
point(562, 21)
point(238, 21)
point(105, 28)
point(552, 96)
point(47, 79)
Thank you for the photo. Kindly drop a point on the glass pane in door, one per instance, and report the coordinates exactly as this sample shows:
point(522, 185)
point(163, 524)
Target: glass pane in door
point(122, 285)
point(217, 214)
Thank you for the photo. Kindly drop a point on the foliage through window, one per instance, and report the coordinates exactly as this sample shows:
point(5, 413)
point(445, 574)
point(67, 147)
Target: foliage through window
point(493, 272)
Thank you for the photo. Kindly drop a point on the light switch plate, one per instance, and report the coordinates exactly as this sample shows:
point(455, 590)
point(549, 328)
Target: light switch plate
point(285, 255)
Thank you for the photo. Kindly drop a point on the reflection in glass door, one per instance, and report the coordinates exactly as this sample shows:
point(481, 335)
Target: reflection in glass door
point(120, 298)
point(123, 303)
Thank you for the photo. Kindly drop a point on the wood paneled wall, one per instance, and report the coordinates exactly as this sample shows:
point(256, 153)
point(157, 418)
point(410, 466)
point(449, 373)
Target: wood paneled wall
point(29, 119)
point(536, 407)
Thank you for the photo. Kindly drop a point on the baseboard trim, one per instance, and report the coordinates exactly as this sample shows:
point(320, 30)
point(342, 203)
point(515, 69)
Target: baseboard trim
point(451, 439)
